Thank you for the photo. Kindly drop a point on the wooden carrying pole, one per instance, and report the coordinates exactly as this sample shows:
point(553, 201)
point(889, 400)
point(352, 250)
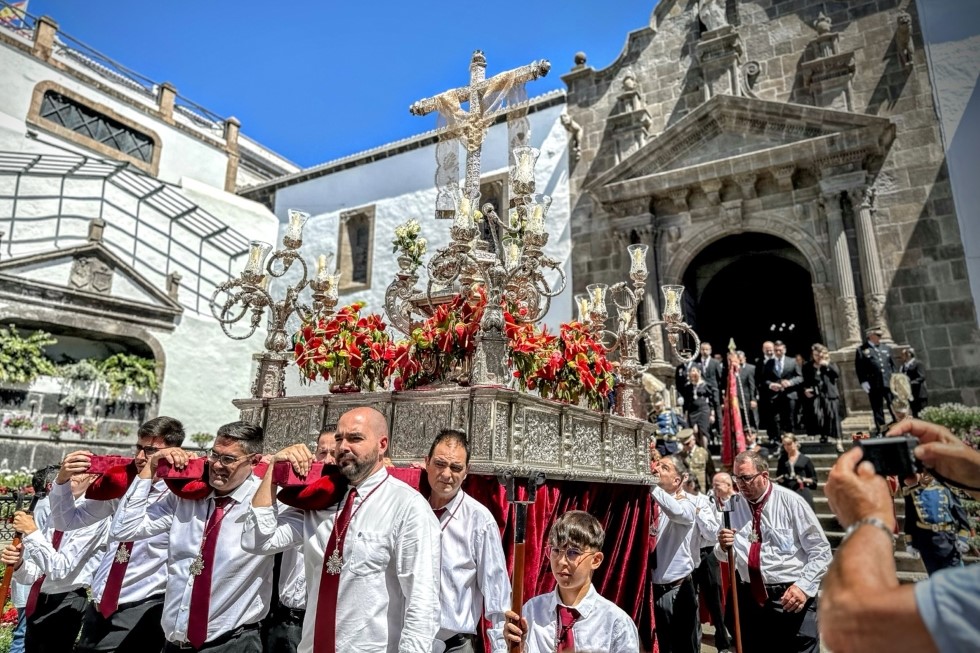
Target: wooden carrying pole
point(520, 532)
point(8, 572)
point(732, 578)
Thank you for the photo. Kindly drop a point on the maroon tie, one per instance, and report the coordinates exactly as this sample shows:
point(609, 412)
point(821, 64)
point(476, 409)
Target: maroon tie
point(197, 622)
point(36, 587)
point(565, 641)
point(110, 595)
point(756, 583)
point(325, 626)
point(439, 512)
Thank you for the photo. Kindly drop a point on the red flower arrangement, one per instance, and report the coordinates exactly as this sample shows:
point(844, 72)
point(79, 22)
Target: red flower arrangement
point(351, 350)
point(566, 367)
point(441, 344)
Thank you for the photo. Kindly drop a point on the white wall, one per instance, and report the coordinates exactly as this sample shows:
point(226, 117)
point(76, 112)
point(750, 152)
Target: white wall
point(951, 32)
point(401, 187)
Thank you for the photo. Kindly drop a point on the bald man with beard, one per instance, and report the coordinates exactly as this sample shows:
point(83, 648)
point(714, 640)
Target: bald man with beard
point(372, 560)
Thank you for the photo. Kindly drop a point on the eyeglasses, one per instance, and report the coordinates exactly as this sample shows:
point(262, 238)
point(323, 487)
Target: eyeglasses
point(225, 460)
point(571, 554)
point(147, 451)
point(747, 479)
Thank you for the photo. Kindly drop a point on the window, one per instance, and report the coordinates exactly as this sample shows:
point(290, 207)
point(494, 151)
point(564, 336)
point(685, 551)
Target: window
point(83, 120)
point(356, 247)
point(493, 191)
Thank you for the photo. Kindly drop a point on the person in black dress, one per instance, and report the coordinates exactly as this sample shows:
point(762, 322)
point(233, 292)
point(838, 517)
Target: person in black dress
point(698, 399)
point(821, 384)
point(795, 470)
point(912, 368)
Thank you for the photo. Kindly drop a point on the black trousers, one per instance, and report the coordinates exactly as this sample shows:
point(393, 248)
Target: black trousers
point(782, 411)
point(675, 612)
point(55, 623)
point(880, 398)
point(707, 579)
point(247, 639)
point(283, 630)
point(770, 629)
point(132, 628)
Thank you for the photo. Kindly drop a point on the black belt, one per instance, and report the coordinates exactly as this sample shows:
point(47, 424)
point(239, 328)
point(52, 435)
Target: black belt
point(774, 591)
point(133, 604)
point(284, 613)
point(58, 596)
point(227, 637)
point(666, 587)
point(459, 639)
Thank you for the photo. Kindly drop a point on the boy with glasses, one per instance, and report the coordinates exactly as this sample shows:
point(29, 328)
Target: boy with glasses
point(216, 593)
point(127, 590)
point(575, 617)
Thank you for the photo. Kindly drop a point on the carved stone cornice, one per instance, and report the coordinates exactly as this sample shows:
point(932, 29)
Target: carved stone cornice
point(784, 177)
point(746, 183)
point(712, 190)
point(679, 197)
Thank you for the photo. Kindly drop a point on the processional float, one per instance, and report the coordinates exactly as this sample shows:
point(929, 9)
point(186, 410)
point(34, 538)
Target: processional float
point(515, 433)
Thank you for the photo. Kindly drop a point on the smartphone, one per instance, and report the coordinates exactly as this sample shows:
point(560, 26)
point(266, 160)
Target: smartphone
point(892, 456)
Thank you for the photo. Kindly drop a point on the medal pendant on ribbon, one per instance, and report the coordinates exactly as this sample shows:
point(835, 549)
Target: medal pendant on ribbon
point(335, 562)
point(122, 555)
point(197, 566)
point(754, 537)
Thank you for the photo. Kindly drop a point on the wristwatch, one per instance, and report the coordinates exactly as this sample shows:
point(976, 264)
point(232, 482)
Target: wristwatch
point(868, 521)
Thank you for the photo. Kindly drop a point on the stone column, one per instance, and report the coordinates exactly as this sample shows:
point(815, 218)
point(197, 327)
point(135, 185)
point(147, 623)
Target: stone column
point(166, 96)
point(848, 323)
point(232, 129)
point(45, 30)
point(862, 200)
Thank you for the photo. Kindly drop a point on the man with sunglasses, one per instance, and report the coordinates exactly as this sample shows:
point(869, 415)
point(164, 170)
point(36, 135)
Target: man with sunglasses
point(216, 593)
point(473, 580)
point(781, 554)
point(127, 589)
point(675, 597)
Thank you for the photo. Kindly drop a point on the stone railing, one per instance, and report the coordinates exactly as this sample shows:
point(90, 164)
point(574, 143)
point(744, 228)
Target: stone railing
point(509, 432)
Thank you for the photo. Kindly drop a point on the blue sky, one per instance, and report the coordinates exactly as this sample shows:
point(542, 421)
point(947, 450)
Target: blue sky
point(319, 80)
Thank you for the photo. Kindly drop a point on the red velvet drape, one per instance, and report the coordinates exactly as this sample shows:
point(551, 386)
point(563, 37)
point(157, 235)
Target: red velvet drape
point(623, 510)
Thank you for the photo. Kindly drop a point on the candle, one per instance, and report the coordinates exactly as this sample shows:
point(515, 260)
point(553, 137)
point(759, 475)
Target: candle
point(597, 294)
point(257, 253)
point(638, 259)
point(672, 301)
point(536, 224)
point(583, 307)
point(525, 171)
point(512, 254)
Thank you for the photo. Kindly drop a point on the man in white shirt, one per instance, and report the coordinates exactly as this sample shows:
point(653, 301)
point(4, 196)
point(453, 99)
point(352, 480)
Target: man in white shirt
point(781, 554)
point(707, 575)
point(127, 590)
point(675, 599)
point(216, 592)
point(372, 560)
point(474, 569)
point(284, 625)
point(59, 567)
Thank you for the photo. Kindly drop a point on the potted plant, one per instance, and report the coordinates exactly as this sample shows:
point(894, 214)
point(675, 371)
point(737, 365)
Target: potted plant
point(22, 358)
point(202, 440)
point(130, 377)
point(348, 349)
point(15, 480)
point(80, 380)
point(17, 424)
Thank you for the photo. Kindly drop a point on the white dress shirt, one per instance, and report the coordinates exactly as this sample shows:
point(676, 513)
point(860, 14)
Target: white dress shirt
point(705, 525)
point(146, 573)
point(292, 579)
point(474, 572)
point(69, 568)
point(388, 597)
point(241, 583)
point(794, 547)
point(20, 591)
point(675, 531)
point(602, 625)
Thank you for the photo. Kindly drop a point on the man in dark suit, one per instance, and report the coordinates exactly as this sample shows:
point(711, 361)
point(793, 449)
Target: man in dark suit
point(782, 379)
point(712, 374)
point(912, 368)
point(765, 397)
point(681, 375)
point(749, 399)
point(874, 367)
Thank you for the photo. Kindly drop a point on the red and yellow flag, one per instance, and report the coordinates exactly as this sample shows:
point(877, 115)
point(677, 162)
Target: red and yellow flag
point(12, 13)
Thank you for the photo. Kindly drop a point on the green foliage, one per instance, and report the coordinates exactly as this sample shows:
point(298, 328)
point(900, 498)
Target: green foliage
point(79, 378)
point(124, 373)
point(22, 358)
point(202, 439)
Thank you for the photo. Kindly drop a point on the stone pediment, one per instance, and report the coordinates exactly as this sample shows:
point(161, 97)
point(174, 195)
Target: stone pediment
point(88, 279)
point(730, 135)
